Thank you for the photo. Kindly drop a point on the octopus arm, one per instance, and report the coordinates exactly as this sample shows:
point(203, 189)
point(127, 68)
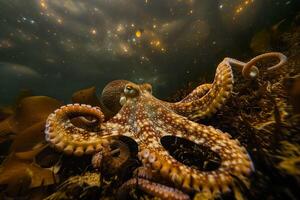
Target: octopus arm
point(152, 188)
point(66, 137)
point(235, 161)
point(206, 99)
point(196, 106)
point(197, 93)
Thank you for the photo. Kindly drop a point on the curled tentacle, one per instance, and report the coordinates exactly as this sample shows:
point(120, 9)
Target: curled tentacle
point(152, 188)
point(118, 155)
point(235, 161)
point(67, 137)
point(196, 106)
point(206, 99)
point(249, 70)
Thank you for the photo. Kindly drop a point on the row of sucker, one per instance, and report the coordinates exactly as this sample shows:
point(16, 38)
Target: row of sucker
point(152, 188)
point(197, 93)
point(208, 104)
point(67, 137)
point(235, 160)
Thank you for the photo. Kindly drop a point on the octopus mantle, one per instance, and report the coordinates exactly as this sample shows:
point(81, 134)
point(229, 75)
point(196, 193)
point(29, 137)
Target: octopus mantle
point(146, 120)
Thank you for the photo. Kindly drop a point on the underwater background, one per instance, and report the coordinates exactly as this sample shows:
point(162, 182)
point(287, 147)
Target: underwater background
point(57, 52)
point(57, 47)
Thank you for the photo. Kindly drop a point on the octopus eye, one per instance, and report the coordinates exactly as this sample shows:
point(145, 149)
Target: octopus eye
point(128, 87)
point(130, 90)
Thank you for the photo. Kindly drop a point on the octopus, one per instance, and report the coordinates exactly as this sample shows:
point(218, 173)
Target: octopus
point(137, 114)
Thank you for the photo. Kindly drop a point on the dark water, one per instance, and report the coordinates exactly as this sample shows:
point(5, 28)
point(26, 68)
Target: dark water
point(57, 47)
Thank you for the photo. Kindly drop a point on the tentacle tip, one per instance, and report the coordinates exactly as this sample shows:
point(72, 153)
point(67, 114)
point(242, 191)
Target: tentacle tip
point(282, 60)
point(252, 73)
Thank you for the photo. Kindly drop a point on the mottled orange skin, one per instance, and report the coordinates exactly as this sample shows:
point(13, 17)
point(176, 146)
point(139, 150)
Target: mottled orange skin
point(146, 119)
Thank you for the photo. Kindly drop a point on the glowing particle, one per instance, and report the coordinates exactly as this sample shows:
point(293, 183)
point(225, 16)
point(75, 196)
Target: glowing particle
point(120, 28)
point(138, 33)
point(243, 6)
point(43, 4)
point(155, 43)
point(125, 49)
point(59, 21)
point(93, 31)
point(221, 6)
point(154, 26)
point(238, 10)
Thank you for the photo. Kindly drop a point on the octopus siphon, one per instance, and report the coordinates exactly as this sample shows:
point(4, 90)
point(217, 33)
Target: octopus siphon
point(145, 119)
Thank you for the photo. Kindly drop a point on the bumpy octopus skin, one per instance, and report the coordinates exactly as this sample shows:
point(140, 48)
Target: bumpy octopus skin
point(146, 120)
point(144, 180)
point(155, 189)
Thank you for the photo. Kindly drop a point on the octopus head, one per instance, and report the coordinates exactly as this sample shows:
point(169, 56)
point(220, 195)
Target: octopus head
point(133, 91)
point(116, 93)
point(111, 95)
